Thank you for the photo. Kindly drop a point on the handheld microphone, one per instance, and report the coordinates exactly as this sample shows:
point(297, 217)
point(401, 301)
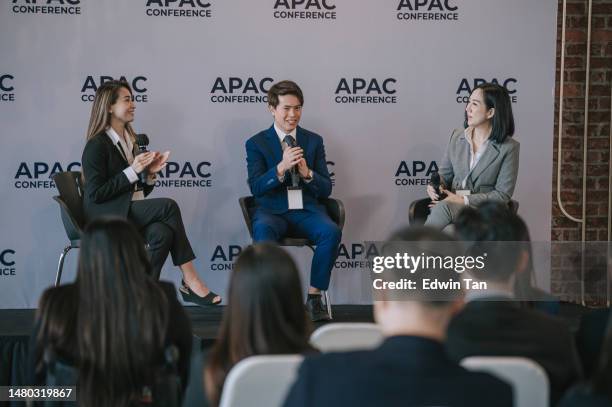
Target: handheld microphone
point(290, 144)
point(142, 141)
point(435, 183)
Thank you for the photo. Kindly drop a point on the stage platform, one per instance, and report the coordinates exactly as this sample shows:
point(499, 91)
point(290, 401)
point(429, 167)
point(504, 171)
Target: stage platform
point(205, 321)
point(16, 325)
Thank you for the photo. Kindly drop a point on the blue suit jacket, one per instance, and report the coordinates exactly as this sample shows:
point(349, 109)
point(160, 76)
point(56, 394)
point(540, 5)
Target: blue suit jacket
point(406, 371)
point(264, 152)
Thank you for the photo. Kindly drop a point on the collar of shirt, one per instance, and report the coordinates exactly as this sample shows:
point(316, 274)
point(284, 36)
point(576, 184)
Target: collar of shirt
point(281, 135)
point(125, 144)
point(474, 158)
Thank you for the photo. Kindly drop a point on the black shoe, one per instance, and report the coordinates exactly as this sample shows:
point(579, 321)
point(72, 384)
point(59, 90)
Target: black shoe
point(315, 308)
point(189, 296)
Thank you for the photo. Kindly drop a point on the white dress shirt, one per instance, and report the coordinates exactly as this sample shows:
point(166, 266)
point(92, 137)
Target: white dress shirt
point(125, 147)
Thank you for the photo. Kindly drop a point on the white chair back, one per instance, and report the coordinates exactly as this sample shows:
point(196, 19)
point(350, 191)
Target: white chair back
point(262, 380)
point(342, 337)
point(528, 379)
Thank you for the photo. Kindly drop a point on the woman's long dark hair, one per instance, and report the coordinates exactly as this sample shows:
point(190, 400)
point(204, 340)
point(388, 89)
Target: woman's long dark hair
point(265, 314)
point(118, 314)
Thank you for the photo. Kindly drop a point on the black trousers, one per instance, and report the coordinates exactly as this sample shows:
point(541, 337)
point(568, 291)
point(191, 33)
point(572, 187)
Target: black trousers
point(161, 224)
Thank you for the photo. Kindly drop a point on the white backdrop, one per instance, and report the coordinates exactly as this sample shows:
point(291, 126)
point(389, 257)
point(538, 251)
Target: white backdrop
point(52, 62)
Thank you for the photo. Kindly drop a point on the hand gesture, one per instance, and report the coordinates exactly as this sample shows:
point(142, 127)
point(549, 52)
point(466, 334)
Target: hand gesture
point(303, 168)
point(291, 156)
point(142, 161)
point(159, 162)
point(431, 191)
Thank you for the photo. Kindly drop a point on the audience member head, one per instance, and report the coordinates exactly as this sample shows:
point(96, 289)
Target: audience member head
point(423, 312)
point(121, 316)
point(498, 106)
point(493, 229)
point(106, 96)
point(265, 313)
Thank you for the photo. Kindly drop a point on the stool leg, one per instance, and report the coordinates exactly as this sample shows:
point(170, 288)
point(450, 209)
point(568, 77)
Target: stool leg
point(328, 304)
point(60, 265)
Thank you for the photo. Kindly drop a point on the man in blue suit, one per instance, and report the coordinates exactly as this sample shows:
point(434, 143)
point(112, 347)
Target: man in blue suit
point(287, 175)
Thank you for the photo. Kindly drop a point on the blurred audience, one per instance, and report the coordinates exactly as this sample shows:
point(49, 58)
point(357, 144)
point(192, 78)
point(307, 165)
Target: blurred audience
point(410, 367)
point(122, 336)
point(597, 391)
point(265, 314)
point(493, 323)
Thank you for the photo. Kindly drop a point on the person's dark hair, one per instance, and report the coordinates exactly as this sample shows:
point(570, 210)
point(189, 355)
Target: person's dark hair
point(492, 228)
point(265, 314)
point(424, 241)
point(497, 97)
point(283, 88)
point(117, 313)
point(603, 375)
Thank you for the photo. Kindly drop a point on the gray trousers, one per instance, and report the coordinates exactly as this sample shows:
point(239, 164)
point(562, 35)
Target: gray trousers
point(443, 214)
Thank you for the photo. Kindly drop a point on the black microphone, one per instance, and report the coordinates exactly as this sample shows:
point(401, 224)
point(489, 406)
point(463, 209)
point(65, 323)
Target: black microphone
point(435, 183)
point(142, 141)
point(290, 144)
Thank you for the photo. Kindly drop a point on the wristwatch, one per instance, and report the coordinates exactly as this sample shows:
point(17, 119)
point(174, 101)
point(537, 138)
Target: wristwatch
point(309, 176)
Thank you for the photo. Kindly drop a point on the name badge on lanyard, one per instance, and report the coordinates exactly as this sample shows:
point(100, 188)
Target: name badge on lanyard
point(294, 195)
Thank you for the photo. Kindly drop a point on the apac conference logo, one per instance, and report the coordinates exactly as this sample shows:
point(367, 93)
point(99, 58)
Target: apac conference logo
point(7, 263)
point(304, 10)
point(178, 8)
point(240, 90)
point(223, 257)
point(361, 90)
point(464, 90)
point(427, 10)
point(138, 84)
point(355, 256)
point(7, 88)
point(47, 7)
point(415, 173)
point(185, 175)
point(37, 175)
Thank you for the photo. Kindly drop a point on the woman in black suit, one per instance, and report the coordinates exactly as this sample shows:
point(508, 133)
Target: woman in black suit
point(114, 325)
point(111, 172)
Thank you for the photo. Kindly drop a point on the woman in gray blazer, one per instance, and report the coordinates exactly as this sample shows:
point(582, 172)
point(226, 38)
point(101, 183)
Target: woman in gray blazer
point(481, 161)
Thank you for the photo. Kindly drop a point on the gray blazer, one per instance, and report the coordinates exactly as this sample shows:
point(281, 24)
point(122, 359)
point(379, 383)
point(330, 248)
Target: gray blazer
point(493, 178)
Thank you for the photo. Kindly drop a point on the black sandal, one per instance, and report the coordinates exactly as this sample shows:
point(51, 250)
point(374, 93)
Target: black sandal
point(189, 296)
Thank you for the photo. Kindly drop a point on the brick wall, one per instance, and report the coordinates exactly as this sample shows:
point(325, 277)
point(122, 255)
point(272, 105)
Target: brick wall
point(564, 282)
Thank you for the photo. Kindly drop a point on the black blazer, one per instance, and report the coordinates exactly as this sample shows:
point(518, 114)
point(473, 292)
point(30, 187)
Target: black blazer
point(503, 328)
point(404, 371)
point(107, 189)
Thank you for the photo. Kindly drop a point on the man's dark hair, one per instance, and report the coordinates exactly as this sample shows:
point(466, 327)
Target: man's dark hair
point(493, 228)
point(283, 88)
point(424, 241)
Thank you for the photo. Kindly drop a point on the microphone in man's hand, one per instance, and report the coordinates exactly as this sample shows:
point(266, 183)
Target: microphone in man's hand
point(435, 183)
point(290, 144)
point(142, 141)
